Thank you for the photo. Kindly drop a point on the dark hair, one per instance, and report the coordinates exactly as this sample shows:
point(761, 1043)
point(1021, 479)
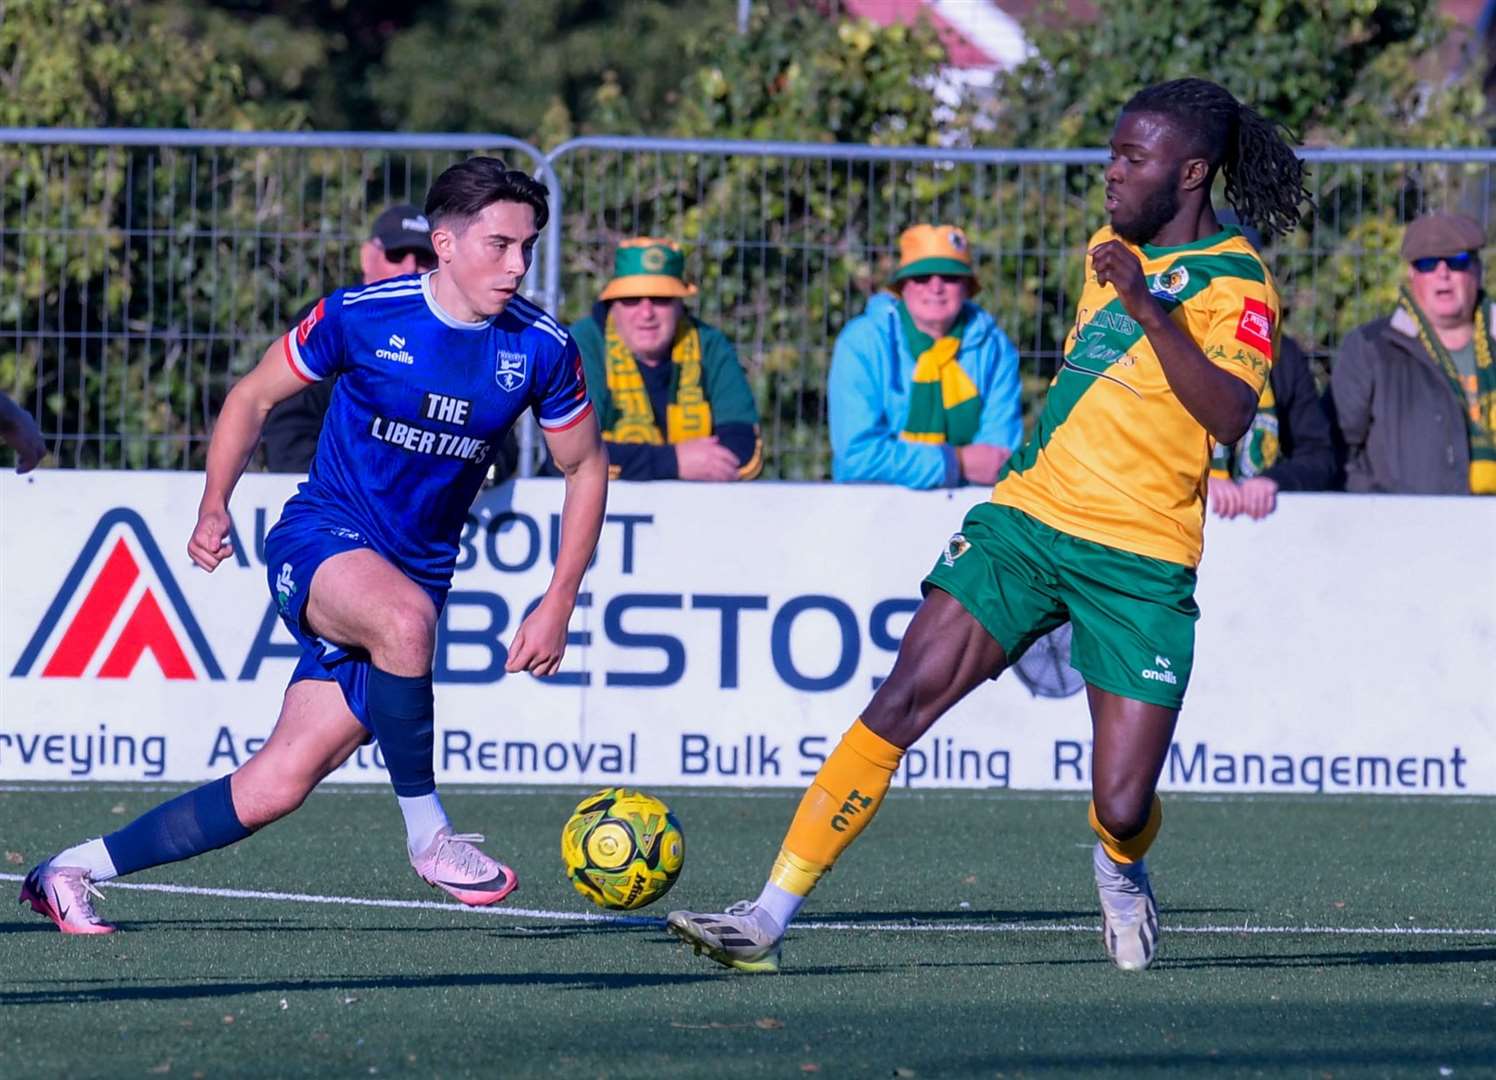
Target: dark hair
point(1264, 177)
point(463, 190)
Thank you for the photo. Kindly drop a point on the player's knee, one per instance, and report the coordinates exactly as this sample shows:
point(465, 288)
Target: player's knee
point(1122, 814)
point(269, 800)
point(409, 628)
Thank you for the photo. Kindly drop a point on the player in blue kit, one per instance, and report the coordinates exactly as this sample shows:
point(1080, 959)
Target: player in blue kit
point(433, 369)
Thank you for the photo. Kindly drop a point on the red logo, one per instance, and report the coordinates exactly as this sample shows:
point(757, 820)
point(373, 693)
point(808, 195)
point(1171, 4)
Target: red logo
point(1255, 327)
point(127, 591)
point(313, 317)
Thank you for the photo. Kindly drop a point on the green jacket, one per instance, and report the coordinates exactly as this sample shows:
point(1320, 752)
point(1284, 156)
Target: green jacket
point(734, 413)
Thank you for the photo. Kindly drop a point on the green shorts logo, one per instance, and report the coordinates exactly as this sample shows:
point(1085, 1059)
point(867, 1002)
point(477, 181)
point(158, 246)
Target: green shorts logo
point(284, 587)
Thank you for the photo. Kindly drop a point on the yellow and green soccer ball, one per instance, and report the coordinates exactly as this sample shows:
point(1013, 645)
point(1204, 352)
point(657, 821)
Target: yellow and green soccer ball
point(622, 848)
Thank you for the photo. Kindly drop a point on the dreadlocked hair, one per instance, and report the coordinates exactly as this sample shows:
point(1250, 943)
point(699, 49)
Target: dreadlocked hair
point(1264, 177)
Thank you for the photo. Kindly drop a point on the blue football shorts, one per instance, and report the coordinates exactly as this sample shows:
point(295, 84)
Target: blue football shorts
point(293, 552)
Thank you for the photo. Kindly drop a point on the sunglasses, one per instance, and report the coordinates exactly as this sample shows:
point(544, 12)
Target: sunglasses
point(1458, 264)
point(424, 259)
point(635, 301)
point(948, 279)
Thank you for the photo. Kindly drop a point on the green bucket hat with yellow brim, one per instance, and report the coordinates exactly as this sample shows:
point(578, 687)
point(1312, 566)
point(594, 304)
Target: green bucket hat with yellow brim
point(934, 249)
point(646, 266)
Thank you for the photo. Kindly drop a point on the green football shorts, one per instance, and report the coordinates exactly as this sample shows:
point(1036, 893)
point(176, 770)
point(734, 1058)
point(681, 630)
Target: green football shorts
point(1132, 617)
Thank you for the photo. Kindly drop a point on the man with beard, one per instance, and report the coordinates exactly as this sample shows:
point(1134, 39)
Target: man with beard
point(1098, 519)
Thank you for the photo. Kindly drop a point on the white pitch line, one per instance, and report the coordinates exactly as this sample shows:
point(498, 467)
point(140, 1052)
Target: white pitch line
point(883, 927)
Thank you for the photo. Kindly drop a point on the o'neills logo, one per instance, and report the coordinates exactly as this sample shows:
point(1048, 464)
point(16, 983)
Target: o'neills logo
point(396, 351)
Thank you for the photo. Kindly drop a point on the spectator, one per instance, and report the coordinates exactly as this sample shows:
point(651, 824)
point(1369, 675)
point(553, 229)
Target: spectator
point(1288, 448)
point(668, 389)
point(399, 243)
point(1414, 393)
point(19, 432)
point(924, 386)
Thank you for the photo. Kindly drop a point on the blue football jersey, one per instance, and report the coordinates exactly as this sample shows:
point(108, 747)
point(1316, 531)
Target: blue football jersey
point(421, 401)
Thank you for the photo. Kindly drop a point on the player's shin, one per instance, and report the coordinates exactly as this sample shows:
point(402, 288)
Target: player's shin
point(838, 805)
point(402, 714)
point(201, 820)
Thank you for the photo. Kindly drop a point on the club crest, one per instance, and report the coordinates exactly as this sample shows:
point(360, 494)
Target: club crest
point(511, 369)
point(955, 547)
point(1170, 282)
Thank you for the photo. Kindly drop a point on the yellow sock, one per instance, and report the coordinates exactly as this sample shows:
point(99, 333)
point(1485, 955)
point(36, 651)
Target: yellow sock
point(1134, 847)
point(839, 803)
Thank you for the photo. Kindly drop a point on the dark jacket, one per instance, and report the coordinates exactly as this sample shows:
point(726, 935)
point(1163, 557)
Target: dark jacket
point(1307, 452)
point(1400, 425)
point(289, 438)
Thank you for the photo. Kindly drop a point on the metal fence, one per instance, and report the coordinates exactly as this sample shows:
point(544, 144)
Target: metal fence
point(141, 272)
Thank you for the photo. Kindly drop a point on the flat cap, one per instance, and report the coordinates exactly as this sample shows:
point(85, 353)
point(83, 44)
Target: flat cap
point(1441, 234)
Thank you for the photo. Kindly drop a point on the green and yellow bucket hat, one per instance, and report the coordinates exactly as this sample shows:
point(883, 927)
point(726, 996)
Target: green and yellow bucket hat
point(647, 266)
point(934, 249)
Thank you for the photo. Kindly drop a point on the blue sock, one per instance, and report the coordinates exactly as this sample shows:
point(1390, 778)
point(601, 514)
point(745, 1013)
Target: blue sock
point(201, 820)
point(402, 712)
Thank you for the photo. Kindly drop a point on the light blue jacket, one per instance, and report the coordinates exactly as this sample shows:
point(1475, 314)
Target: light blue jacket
point(871, 369)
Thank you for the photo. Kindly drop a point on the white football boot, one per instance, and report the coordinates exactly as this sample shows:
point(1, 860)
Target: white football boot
point(742, 937)
point(1129, 915)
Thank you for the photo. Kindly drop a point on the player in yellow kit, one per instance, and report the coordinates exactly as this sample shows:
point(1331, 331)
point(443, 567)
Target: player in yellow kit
point(1098, 519)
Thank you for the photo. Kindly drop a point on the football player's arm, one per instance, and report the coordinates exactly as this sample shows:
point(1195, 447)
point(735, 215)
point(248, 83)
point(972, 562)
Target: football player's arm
point(234, 438)
point(578, 452)
point(1223, 403)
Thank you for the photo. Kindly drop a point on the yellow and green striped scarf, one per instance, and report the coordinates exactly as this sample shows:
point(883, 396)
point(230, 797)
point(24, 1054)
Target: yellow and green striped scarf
point(944, 404)
point(687, 416)
point(1480, 417)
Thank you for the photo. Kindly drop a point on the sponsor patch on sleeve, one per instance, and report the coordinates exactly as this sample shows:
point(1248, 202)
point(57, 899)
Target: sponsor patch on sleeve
point(1255, 326)
point(304, 330)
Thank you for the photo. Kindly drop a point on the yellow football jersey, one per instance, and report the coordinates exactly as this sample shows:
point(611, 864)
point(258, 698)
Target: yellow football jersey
point(1116, 458)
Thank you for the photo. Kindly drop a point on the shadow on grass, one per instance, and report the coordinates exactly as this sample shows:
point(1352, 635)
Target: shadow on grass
point(226, 989)
point(1363, 958)
point(1088, 915)
point(492, 925)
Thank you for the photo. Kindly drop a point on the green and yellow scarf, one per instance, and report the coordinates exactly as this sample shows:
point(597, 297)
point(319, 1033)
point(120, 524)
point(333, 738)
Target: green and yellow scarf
point(1255, 452)
point(1480, 417)
point(944, 404)
point(687, 416)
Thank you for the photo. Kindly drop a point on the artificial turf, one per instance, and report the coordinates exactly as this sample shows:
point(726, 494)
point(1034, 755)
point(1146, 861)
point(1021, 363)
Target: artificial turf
point(964, 945)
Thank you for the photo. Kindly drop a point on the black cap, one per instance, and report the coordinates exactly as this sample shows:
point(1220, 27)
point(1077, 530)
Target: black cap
point(402, 227)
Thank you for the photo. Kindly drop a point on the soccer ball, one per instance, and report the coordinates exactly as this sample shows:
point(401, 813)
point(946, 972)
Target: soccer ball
point(622, 848)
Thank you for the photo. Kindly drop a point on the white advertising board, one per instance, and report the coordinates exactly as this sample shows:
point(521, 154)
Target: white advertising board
point(728, 634)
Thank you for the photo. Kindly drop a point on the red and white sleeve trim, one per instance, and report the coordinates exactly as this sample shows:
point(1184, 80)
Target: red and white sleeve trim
point(297, 364)
point(570, 420)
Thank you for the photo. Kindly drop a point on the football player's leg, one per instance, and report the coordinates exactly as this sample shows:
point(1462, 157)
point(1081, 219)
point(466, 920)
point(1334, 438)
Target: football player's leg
point(1134, 641)
point(359, 598)
point(1131, 741)
point(945, 653)
point(314, 734)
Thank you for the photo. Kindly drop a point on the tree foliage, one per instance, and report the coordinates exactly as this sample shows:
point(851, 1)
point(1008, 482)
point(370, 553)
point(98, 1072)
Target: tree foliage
point(136, 283)
point(1335, 73)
